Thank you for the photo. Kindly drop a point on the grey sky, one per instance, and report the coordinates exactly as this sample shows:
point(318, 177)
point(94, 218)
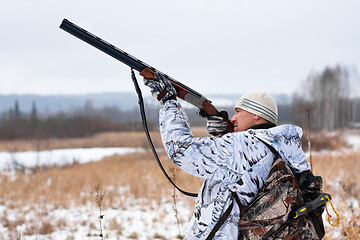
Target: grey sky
point(211, 46)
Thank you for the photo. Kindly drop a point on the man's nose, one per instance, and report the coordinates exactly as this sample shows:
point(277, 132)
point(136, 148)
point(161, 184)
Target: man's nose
point(233, 119)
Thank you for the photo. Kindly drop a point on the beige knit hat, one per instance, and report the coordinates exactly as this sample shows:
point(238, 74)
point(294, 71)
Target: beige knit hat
point(259, 103)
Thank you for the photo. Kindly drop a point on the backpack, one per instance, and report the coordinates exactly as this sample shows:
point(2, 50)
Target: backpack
point(272, 214)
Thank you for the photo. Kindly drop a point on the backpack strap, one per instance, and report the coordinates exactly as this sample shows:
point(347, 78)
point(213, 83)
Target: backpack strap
point(273, 150)
point(223, 218)
point(236, 198)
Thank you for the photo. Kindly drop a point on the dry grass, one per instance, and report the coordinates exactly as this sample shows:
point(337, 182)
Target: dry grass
point(342, 165)
point(122, 177)
point(322, 142)
point(137, 175)
point(109, 139)
point(71, 185)
point(340, 173)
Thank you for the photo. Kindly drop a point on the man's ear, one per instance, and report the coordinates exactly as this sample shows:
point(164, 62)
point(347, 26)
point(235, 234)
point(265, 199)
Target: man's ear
point(256, 117)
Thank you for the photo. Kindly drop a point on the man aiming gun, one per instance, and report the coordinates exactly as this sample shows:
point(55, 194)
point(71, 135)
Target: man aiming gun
point(234, 163)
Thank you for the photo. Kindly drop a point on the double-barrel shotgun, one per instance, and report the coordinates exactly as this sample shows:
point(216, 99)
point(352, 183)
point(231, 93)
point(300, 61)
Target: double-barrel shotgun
point(183, 92)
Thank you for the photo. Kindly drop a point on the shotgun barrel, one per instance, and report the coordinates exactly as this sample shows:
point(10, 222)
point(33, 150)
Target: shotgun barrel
point(183, 91)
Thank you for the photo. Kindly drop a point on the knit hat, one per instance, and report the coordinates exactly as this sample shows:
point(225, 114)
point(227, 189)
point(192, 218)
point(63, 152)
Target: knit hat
point(259, 103)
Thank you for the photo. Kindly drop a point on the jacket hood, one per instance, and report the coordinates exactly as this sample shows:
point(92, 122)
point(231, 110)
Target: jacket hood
point(285, 139)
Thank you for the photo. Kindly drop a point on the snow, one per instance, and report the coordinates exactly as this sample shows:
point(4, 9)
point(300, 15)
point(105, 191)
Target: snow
point(132, 222)
point(58, 157)
point(353, 141)
point(133, 219)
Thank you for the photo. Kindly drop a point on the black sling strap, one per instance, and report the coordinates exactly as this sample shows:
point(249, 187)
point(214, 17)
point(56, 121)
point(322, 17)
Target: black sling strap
point(146, 130)
point(223, 218)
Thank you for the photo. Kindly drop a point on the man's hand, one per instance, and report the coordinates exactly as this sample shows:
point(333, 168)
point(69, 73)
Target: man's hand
point(161, 88)
point(216, 125)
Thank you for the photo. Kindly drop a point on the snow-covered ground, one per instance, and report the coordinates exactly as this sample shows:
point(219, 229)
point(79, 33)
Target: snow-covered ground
point(135, 220)
point(132, 220)
point(354, 141)
point(57, 157)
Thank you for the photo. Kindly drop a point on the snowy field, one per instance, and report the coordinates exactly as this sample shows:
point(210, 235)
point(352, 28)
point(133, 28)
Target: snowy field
point(156, 221)
point(57, 157)
point(134, 219)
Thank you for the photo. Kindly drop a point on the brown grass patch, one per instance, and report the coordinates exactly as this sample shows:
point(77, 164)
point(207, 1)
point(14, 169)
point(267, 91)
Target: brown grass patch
point(323, 142)
point(109, 139)
point(72, 185)
point(122, 177)
point(343, 167)
point(340, 173)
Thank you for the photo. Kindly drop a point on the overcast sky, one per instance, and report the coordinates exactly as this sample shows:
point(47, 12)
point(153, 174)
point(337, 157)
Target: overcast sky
point(222, 46)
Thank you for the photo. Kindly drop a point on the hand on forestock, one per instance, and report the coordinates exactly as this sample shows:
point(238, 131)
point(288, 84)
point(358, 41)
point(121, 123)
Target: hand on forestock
point(161, 88)
point(216, 125)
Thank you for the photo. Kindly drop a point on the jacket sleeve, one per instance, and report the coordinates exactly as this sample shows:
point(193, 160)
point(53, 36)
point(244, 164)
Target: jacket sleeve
point(208, 157)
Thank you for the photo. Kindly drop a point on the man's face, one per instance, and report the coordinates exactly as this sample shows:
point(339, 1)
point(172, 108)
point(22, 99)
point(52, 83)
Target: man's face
point(242, 120)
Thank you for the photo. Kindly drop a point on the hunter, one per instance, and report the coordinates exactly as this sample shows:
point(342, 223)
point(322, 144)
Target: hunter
point(237, 162)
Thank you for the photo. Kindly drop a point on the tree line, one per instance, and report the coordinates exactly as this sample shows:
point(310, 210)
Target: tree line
point(324, 102)
point(81, 122)
point(88, 120)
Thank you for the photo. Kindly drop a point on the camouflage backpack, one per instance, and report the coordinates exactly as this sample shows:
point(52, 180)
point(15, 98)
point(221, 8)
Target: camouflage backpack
point(272, 214)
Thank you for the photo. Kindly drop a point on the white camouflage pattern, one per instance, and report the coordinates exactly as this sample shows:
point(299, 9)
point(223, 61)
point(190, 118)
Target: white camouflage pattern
point(236, 162)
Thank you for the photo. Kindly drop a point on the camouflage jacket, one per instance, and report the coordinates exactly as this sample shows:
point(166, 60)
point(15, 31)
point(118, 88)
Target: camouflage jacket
point(236, 162)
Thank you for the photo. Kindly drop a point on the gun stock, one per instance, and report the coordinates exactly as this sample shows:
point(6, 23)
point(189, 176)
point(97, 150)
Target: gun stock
point(183, 92)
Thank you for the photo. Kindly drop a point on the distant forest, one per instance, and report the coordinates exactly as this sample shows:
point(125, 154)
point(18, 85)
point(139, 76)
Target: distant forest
point(323, 103)
point(86, 121)
point(82, 122)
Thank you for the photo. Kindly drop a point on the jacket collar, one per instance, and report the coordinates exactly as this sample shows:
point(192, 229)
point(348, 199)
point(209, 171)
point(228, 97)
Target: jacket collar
point(263, 126)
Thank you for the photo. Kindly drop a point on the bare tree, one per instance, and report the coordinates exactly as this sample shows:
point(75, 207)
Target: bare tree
point(329, 90)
